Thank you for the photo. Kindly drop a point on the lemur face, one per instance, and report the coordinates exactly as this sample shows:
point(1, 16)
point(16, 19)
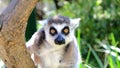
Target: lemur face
point(58, 34)
point(59, 30)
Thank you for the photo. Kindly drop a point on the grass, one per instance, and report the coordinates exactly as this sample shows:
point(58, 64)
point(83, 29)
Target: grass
point(111, 54)
point(96, 57)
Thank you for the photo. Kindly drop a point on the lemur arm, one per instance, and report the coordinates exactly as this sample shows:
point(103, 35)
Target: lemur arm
point(72, 56)
point(34, 43)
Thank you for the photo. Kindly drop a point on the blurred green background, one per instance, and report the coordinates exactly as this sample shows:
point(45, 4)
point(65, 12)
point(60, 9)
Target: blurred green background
point(98, 33)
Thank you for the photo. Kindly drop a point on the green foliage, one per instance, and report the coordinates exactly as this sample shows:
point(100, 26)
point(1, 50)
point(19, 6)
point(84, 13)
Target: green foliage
point(31, 26)
point(100, 20)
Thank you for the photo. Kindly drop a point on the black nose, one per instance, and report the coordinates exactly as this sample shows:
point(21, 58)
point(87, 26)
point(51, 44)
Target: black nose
point(60, 40)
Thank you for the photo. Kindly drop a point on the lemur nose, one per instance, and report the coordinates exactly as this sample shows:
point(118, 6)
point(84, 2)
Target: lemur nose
point(60, 40)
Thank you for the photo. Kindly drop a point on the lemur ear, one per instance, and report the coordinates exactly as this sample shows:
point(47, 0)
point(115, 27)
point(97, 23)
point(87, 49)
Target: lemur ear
point(75, 22)
point(43, 22)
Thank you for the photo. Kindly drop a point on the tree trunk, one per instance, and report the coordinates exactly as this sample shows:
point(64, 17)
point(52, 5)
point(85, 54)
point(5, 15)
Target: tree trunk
point(12, 29)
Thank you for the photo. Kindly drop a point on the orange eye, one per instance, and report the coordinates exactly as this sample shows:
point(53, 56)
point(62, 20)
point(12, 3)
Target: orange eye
point(66, 30)
point(52, 31)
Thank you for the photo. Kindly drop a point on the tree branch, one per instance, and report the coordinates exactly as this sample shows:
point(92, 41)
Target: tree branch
point(12, 29)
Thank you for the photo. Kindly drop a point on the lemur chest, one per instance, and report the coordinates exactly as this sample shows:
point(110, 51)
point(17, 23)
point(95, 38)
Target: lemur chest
point(51, 56)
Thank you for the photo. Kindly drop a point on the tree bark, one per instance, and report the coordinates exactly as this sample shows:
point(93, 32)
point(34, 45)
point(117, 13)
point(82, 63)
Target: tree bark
point(12, 30)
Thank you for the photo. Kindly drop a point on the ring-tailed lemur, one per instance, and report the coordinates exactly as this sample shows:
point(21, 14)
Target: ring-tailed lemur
point(54, 45)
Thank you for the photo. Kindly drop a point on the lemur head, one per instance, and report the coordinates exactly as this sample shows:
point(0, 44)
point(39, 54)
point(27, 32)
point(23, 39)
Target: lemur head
point(59, 30)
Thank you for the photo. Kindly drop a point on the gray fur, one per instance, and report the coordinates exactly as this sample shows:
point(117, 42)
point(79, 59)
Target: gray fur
point(45, 55)
point(58, 20)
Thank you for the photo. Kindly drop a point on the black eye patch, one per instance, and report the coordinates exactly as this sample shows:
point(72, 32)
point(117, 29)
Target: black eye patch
point(65, 30)
point(52, 31)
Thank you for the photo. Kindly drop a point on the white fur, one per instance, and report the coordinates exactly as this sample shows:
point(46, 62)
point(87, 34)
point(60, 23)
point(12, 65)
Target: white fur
point(74, 23)
point(59, 28)
point(51, 55)
point(49, 52)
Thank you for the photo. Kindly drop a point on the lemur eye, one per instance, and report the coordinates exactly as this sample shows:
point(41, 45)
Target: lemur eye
point(65, 30)
point(53, 31)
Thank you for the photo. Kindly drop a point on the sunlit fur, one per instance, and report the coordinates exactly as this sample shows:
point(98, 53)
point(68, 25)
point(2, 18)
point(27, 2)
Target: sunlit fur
point(46, 53)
